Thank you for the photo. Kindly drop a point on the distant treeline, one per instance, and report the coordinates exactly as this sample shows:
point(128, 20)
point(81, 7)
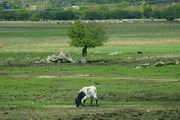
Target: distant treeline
point(169, 12)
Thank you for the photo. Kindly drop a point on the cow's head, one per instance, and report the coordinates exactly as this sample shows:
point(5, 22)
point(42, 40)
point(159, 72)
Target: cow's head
point(77, 102)
point(79, 98)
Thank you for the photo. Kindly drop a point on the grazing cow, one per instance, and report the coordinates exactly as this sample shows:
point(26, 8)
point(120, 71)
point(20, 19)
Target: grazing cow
point(84, 93)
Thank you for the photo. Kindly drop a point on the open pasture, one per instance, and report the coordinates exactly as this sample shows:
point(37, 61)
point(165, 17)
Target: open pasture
point(47, 91)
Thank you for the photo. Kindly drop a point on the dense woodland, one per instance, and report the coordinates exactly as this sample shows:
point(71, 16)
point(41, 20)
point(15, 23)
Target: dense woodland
point(36, 10)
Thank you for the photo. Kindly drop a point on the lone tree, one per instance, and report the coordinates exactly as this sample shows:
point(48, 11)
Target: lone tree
point(86, 35)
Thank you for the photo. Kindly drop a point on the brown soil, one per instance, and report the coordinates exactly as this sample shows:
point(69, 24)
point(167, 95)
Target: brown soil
point(90, 113)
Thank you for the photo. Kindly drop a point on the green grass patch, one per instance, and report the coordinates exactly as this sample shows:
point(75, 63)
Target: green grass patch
point(45, 90)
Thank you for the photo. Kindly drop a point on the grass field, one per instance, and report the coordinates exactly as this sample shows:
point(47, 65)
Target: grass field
point(47, 91)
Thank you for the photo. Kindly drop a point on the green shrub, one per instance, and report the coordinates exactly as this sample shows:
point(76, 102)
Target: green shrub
point(169, 12)
point(94, 15)
point(148, 12)
point(66, 15)
point(134, 15)
point(172, 12)
point(8, 15)
point(23, 15)
point(35, 16)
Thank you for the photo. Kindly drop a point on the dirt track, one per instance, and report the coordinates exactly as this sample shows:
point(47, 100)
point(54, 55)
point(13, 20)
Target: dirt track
point(130, 114)
point(90, 113)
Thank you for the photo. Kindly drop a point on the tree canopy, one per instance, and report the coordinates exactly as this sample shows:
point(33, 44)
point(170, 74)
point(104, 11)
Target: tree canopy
point(86, 35)
point(90, 34)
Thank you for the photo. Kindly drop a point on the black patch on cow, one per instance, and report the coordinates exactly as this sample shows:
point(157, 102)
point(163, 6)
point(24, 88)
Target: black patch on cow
point(79, 98)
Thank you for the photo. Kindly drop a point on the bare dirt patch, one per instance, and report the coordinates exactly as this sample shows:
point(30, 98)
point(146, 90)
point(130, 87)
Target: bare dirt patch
point(47, 76)
point(131, 114)
point(90, 114)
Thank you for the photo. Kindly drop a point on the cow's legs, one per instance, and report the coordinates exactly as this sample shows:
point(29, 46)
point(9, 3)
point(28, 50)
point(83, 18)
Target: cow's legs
point(83, 101)
point(95, 97)
point(97, 102)
point(91, 100)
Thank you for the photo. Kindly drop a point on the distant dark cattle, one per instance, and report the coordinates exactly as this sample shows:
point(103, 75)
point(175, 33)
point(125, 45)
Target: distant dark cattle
point(84, 93)
point(139, 52)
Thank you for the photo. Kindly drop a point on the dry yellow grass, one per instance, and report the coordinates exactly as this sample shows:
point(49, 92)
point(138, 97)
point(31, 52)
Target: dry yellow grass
point(142, 42)
point(56, 44)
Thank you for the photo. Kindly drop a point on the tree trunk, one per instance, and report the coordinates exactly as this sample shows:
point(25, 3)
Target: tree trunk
point(84, 54)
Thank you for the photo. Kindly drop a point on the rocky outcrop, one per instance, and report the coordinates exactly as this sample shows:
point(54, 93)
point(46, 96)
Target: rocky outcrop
point(159, 64)
point(143, 66)
point(62, 57)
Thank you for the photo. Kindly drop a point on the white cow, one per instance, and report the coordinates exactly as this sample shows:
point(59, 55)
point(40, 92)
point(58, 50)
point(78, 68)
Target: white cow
point(84, 93)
